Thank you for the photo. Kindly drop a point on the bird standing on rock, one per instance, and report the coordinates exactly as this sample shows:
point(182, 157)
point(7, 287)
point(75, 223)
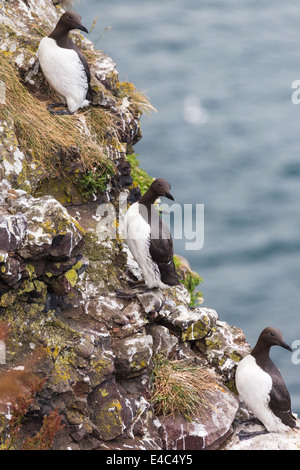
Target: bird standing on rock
point(64, 66)
point(261, 386)
point(149, 239)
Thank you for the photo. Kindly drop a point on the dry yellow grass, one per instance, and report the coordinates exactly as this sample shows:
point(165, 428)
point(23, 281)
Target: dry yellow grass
point(47, 137)
point(142, 102)
point(180, 388)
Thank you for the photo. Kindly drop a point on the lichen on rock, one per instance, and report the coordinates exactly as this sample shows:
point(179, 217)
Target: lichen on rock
point(61, 294)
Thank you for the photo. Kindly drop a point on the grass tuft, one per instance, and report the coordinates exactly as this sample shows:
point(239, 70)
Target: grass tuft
point(180, 388)
point(51, 139)
point(138, 98)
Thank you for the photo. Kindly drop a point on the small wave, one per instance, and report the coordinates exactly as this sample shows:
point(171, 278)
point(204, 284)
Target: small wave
point(193, 111)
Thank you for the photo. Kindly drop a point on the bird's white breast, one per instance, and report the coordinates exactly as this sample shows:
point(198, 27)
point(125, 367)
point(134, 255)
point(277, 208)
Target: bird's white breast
point(254, 386)
point(65, 73)
point(137, 233)
point(135, 225)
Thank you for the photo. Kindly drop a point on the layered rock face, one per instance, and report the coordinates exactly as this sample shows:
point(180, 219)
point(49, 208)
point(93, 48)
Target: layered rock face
point(58, 287)
point(60, 279)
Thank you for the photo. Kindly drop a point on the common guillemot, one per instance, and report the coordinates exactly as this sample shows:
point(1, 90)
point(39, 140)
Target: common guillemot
point(64, 65)
point(261, 386)
point(149, 238)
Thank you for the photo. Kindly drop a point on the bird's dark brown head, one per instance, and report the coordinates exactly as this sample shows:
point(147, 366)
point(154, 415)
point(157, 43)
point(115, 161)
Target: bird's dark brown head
point(271, 336)
point(71, 20)
point(162, 187)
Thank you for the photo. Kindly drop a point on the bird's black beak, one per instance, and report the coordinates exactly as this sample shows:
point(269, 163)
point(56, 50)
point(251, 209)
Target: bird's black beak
point(285, 346)
point(169, 196)
point(82, 28)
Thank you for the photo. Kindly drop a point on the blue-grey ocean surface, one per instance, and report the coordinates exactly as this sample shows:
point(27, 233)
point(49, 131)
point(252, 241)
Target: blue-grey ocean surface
point(226, 135)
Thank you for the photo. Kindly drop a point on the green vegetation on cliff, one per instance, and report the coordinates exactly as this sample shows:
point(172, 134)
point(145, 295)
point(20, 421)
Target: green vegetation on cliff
point(140, 177)
point(190, 279)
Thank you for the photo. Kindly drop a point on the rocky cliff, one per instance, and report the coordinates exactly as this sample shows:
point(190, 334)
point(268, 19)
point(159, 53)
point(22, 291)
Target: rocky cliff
point(61, 316)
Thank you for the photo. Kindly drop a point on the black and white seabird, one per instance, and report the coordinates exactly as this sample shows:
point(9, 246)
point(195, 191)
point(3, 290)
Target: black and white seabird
point(149, 238)
point(63, 64)
point(261, 386)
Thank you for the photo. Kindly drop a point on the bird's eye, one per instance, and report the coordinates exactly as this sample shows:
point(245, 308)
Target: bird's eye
point(272, 333)
point(159, 184)
point(71, 17)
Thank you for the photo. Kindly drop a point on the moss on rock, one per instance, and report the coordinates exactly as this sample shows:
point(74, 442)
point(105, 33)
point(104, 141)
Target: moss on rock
point(102, 368)
point(197, 330)
point(109, 419)
point(140, 177)
point(106, 262)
